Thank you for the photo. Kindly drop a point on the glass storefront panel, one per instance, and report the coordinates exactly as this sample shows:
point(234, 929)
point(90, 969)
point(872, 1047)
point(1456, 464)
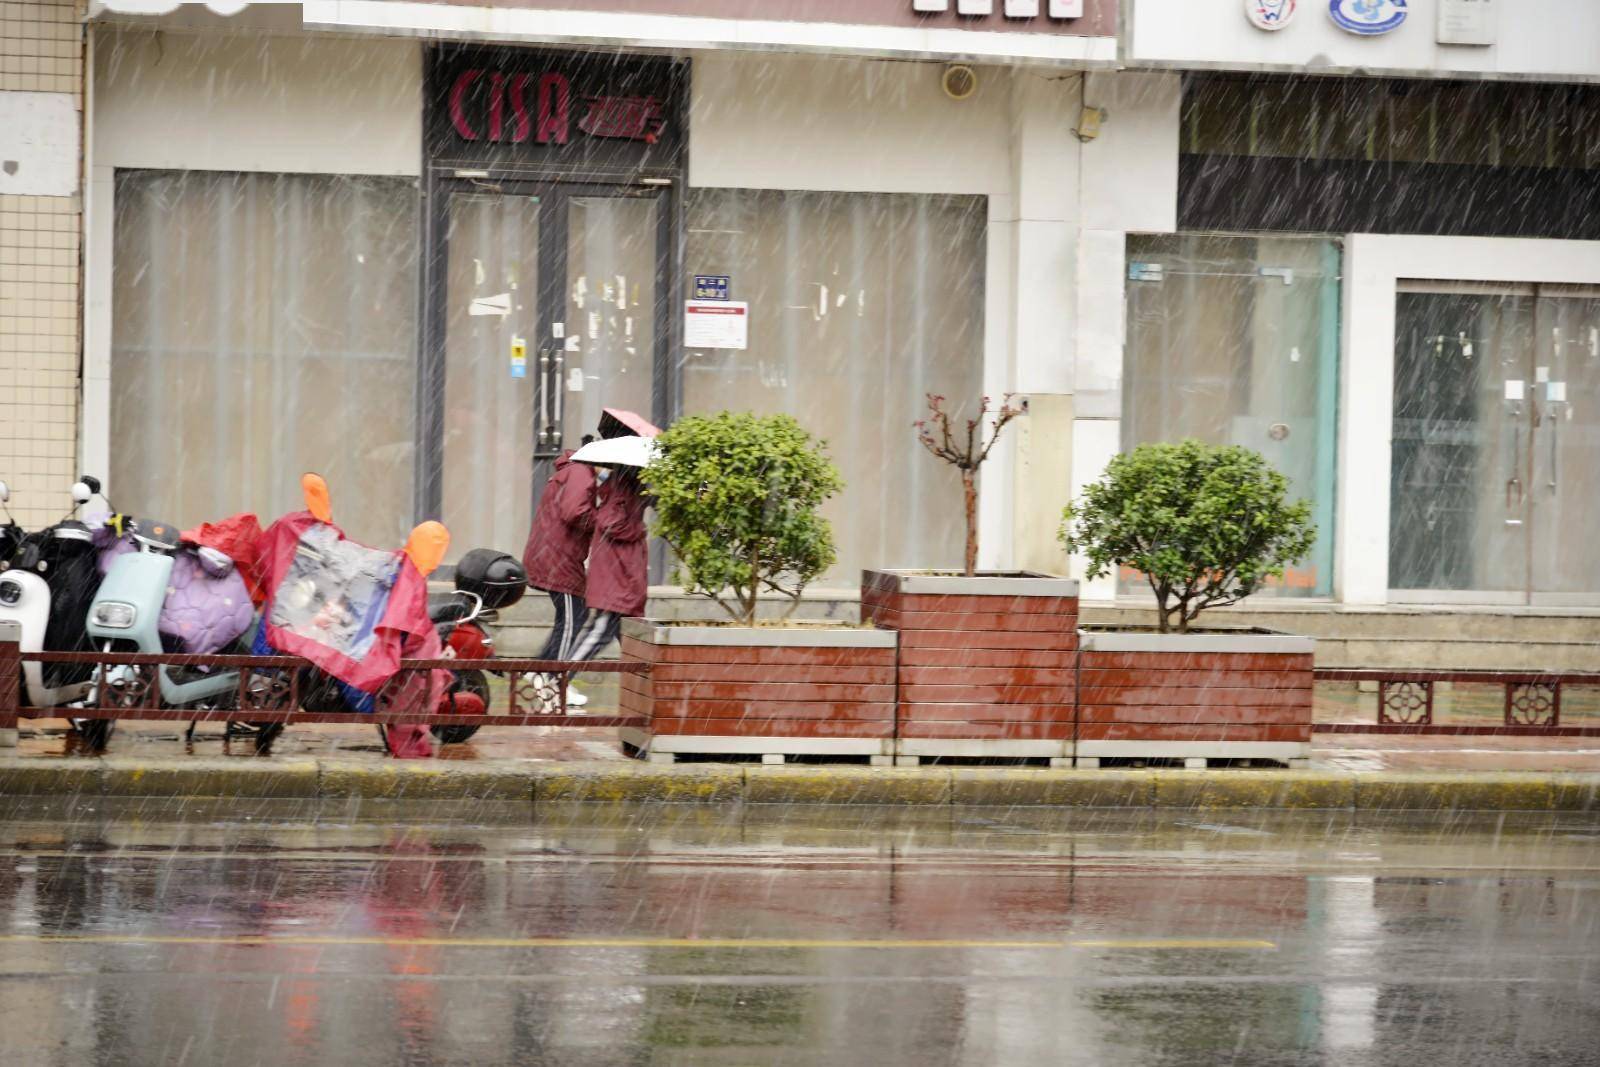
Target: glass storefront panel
point(860, 305)
point(264, 325)
point(1495, 489)
point(611, 303)
point(1235, 340)
point(1458, 495)
point(491, 301)
point(1566, 448)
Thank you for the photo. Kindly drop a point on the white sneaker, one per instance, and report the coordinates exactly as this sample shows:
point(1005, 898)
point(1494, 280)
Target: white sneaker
point(575, 699)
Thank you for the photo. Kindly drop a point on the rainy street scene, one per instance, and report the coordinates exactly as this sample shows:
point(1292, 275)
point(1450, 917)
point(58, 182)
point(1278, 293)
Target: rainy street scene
point(799, 531)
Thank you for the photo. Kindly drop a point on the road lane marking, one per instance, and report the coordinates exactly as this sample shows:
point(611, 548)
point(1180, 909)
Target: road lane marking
point(291, 940)
point(1192, 943)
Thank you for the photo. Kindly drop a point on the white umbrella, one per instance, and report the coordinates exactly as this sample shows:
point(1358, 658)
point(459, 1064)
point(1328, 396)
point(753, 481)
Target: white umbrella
point(617, 452)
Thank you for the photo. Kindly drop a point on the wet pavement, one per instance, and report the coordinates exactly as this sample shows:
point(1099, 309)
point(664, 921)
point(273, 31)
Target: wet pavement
point(1343, 752)
point(236, 932)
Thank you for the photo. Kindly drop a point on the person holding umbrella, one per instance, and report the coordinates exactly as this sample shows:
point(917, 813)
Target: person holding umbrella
point(557, 546)
point(619, 578)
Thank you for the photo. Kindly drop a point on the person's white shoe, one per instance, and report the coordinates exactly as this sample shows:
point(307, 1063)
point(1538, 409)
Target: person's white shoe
point(575, 699)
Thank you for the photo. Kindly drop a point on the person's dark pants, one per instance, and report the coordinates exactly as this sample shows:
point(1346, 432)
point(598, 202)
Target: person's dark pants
point(571, 613)
point(601, 629)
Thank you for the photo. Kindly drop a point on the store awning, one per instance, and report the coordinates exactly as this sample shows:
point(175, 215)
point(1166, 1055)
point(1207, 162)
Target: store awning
point(162, 7)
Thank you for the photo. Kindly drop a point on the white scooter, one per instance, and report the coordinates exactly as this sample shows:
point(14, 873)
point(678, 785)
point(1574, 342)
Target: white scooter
point(46, 586)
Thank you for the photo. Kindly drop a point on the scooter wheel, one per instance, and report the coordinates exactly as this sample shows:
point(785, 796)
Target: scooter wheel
point(94, 732)
point(466, 682)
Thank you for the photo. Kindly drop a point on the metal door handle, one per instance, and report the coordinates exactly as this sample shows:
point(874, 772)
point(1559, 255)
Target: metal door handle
point(1513, 500)
point(544, 397)
point(558, 390)
point(1555, 424)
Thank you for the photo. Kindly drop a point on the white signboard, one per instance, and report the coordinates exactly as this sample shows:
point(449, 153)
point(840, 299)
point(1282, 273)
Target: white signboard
point(1269, 14)
point(1468, 21)
point(38, 144)
point(716, 324)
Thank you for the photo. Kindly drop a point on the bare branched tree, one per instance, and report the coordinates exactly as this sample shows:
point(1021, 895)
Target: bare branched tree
point(966, 450)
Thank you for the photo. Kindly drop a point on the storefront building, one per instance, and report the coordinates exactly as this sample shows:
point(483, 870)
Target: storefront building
point(418, 246)
point(1386, 276)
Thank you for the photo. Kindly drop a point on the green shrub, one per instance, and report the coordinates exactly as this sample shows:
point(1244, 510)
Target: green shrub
point(1205, 524)
point(736, 496)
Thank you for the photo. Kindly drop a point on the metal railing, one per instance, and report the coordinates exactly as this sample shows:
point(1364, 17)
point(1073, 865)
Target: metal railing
point(1406, 702)
point(271, 689)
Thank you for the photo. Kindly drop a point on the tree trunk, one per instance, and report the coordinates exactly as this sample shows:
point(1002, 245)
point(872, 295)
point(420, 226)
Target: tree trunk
point(755, 586)
point(969, 485)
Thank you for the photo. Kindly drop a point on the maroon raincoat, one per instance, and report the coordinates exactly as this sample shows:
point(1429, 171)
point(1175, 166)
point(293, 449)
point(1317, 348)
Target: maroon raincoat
point(559, 540)
point(618, 559)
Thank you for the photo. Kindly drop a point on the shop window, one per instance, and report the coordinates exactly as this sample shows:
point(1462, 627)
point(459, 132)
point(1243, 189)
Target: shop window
point(264, 325)
point(1234, 340)
point(860, 305)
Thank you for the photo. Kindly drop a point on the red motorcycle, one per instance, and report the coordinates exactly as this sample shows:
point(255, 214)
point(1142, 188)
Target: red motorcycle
point(486, 582)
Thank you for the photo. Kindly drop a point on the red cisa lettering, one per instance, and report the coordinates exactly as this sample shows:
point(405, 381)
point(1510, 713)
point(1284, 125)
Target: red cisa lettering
point(554, 107)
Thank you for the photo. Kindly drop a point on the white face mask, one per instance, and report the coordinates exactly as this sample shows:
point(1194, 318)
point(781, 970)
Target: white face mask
point(602, 475)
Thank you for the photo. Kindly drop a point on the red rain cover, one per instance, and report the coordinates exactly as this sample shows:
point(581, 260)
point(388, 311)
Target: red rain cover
point(352, 611)
point(239, 538)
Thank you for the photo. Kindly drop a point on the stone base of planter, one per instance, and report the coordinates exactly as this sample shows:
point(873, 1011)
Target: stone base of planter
point(986, 663)
point(1198, 697)
point(911, 751)
point(1195, 754)
point(760, 690)
point(666, 748)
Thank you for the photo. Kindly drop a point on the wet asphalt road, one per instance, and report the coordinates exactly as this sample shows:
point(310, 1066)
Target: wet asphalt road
point(828, 936)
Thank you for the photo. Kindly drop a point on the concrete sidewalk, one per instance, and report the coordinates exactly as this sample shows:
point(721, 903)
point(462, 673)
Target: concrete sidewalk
point(1348, 752)
point(560, 765)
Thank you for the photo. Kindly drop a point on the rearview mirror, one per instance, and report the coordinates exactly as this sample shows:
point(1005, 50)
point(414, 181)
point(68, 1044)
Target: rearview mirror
point(5, 493)
point(81, 493)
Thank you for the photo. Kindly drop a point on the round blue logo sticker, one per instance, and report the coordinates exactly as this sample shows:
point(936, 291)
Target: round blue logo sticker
point(1367, 17)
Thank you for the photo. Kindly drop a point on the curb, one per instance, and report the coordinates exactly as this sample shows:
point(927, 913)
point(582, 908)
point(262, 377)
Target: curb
point(617, 782)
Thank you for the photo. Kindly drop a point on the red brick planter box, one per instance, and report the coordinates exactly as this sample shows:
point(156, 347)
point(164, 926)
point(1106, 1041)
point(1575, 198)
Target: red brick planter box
point(1243, 695)
point(760, 690)
point(986, 665)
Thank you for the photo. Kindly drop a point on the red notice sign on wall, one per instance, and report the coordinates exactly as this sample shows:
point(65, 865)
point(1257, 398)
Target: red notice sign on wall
point(716, 324)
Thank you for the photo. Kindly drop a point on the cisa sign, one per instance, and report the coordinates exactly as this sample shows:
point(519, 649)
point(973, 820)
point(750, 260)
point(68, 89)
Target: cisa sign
point(590, 112)
point(507, 111)
point(1367, 17)
point(1270, 14)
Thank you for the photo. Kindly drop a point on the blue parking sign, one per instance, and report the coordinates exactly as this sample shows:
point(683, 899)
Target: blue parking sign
point(711, 286)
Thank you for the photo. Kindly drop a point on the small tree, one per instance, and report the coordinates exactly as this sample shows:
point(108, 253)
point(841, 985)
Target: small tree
point(965, 450)
point(736, 496)
point(1205, 524)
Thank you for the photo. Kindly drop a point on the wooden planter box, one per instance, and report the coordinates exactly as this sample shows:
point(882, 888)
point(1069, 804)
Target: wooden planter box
point(1244, 695)
point(760, 690)
point(986, 666)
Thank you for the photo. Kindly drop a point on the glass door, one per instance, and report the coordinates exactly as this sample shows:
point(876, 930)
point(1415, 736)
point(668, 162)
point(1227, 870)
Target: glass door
point(1493, 481)
point(549, 312)
point(1564, 489)
point(492, 389)
point(610, 270)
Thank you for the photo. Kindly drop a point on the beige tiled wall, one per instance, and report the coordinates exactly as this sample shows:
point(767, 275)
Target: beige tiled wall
point(40, 51)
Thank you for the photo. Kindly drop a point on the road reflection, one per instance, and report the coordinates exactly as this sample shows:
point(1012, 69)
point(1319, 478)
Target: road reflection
point(845, 938)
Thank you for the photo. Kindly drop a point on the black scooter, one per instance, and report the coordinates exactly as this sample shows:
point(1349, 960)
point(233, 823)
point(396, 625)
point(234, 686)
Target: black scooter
point(47, 582)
